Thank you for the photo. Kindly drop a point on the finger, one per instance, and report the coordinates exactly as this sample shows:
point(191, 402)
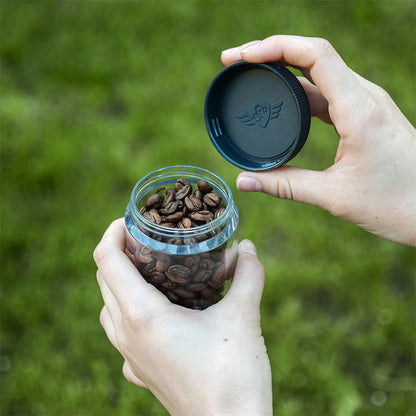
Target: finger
point(289, 182)
point(131, 377)
point(248, 281)
point(107, 324)
point(317, 102)
point(327, 70)
point(109, 299)
point(121, 276)
point(234, 54)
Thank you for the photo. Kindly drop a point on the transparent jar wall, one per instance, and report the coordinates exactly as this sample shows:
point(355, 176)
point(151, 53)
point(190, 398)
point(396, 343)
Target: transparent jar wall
point(192, 267)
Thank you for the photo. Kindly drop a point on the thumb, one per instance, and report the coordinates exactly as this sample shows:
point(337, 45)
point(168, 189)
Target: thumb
point(289, 182)
point(248, 282)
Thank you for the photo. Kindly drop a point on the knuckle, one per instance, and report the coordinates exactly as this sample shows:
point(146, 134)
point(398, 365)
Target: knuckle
point(100, 253)
point(284, 189)
point(323, 46)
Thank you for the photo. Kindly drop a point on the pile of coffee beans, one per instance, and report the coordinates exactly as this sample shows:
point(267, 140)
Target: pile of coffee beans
point(182, 206)
point(196, 280)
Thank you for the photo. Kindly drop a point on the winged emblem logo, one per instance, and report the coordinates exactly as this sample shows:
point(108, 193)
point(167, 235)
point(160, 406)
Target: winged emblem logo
point(260, 113)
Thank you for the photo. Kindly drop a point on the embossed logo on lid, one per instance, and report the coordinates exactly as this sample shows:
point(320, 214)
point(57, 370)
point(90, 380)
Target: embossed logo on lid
point(260, 114)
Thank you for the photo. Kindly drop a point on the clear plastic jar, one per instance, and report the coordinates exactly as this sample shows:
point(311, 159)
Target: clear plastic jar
point(191, 266)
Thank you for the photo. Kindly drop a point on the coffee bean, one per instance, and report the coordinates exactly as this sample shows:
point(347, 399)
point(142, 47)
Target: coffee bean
point(178, 273)
point(218, 277)
point(152, 216)
point(157, 278)
point(170, 197)
point(207, 263)
point(180, 183)
point(219, 212)
point(168, 284)
point(191, 260)
point(193, 203)
point(208, 293)
point(145, 255)
point(204, 186)
point(155, 201)
point(183, 293)
point(197, 194)
point(162, 263)
point(201, 216)
point(177, 241)
point(201, 276)
point(177, 216)
point(171, 296)
point(197, 287)
point(183, 192)
point(212, 200)
point(168, 224)
point(169, 208)
point(184, 223)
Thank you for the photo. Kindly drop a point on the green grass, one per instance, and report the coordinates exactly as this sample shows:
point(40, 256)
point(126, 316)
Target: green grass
point(96, 94)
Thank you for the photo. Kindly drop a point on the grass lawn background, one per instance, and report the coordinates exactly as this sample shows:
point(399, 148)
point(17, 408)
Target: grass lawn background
point(95, 94)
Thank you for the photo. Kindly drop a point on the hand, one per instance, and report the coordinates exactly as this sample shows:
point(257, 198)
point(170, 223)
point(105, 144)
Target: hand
point(372, 182)
point(195, 362)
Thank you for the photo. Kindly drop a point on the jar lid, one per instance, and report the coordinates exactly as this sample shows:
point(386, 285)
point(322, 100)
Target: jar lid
point(257, 115)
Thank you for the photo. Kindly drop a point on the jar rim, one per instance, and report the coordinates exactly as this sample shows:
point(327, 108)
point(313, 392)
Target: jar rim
point(160, 173)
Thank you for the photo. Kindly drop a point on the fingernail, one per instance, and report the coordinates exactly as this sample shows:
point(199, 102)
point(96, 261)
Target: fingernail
point(247, 183)
point(248, 247)
point(254, 45)
point(228, 51)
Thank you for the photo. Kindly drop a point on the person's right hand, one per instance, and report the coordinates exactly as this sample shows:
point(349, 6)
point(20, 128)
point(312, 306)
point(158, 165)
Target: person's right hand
point(372, 182)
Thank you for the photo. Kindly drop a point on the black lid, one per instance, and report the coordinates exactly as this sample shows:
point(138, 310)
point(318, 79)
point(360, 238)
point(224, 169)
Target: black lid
point(257, 115)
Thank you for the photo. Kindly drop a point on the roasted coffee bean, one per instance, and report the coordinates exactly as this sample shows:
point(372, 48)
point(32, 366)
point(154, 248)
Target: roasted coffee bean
point(208, 293)
point(145, 255)
point(177, 216)
point(175, 240)
point(170, 197)
point(197, 194)
point(219, 212)
point(193, 203)
point(162, 262)
point(157, 278)
point(219, 277)
point(207, 263)
point(204, 186)
point(201, 216)
point(153, 215)
point(168, 224)
point(190, 240)
point(142, 210)
point(183, 192)
point(211, 199)
point(180, 183)
point(197, 287)
point(168, 284)
point(184, 223)
point(183, 293)
point(171, 296)
point(178, 273)
point(169, 208)
point(191, 260)
point(201, 276)
point(149, 269)
point(154, 201)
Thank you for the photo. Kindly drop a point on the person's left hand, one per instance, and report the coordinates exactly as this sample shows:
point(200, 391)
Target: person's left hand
point(195, 362)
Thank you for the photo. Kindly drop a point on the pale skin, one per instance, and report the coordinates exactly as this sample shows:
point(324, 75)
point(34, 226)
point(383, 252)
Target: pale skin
point(214, 362)
point(372, 181)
